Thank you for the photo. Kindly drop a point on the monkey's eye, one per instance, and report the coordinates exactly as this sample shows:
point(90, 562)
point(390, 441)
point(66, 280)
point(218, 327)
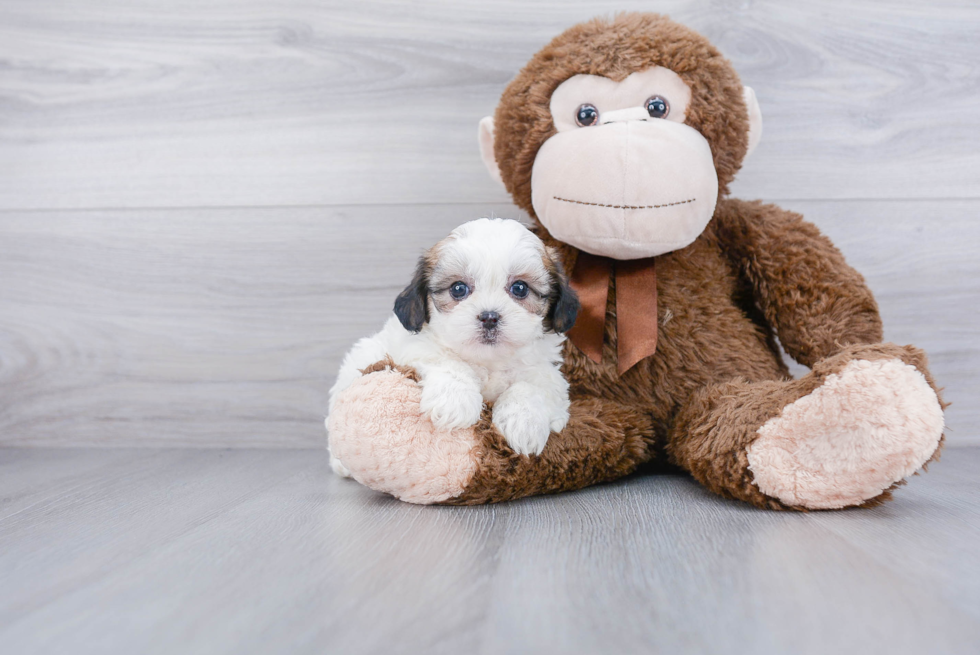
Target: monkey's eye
point(586, 115)
point(459, 290)
point(519, 289)
point(657, 107)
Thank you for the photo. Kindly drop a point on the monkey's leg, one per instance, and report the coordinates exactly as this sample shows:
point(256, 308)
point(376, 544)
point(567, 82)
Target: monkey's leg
point(378, 432)
point(844, 434)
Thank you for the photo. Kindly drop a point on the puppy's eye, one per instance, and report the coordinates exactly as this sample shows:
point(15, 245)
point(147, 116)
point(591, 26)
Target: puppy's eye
point(519, 289)
point(459, 290)
point(586, 115)
point(657, 107)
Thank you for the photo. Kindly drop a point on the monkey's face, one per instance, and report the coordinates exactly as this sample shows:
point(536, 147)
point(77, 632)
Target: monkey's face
point(619, 135)
point(624, 177)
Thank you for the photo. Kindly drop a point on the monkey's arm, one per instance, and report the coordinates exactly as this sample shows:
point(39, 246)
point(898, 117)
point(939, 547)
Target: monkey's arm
point(378, 432)
point(815, 302)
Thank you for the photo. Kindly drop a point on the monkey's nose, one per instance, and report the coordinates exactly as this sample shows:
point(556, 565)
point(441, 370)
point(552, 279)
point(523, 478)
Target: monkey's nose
point(489, 319)
point(629, 114)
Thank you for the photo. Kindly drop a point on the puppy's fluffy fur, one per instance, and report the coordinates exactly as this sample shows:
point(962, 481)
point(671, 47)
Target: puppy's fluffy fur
point(483, 320)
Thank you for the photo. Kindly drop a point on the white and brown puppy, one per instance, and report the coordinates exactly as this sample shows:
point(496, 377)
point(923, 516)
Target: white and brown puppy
point(483, 320)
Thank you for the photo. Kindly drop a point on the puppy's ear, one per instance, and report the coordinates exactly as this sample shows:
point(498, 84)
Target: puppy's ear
point(412, 304)
point(563, 304)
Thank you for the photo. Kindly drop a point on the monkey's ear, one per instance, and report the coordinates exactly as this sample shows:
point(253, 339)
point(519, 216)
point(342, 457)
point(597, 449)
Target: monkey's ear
point(755, 118)
point(412, 304)
point(485, 137)
point(563, 304)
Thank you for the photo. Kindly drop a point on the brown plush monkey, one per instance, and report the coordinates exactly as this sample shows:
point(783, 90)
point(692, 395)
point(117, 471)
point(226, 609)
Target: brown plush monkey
point(620, 139)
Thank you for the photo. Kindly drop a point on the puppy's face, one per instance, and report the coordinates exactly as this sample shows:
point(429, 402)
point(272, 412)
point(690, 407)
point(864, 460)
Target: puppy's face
point(491, 285)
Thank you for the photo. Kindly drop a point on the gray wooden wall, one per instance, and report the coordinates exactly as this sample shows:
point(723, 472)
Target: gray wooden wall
point(202, 204)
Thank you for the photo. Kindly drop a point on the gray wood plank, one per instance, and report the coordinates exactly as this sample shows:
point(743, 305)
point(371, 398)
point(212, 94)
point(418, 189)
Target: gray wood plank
point(276, 102)
point(682, 572)
point(226, 327)
point(218, 327)
point(64, 471)
point(266, 551)
point(133, 503)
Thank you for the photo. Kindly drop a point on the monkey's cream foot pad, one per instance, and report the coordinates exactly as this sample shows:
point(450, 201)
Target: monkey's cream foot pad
point(379, 433)
point(867, 427)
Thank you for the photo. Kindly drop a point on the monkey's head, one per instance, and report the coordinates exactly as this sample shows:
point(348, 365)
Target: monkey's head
point(620, 135)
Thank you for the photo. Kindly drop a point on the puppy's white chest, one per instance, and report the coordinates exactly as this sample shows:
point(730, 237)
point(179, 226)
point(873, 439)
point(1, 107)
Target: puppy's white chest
point(494, 383)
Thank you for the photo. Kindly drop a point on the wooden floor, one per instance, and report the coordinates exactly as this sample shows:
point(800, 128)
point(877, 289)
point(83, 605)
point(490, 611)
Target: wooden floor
point(264, 551)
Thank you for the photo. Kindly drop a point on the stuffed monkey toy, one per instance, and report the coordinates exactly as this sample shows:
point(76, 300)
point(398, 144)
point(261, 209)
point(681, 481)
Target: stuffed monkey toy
point(619, 139)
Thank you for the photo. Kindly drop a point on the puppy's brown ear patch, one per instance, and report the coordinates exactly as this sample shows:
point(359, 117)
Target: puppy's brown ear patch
point(412, 304)
point(563, 304)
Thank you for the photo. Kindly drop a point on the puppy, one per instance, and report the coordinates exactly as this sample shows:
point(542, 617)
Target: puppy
point(483, 320)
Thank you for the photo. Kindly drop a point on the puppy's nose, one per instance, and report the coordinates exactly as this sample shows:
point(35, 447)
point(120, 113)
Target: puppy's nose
point(489, 319)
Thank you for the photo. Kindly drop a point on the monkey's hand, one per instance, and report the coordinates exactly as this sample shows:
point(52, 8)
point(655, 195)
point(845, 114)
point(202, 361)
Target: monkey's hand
point(379, 433)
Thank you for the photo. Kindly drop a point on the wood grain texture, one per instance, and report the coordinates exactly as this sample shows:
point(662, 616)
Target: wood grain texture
point(280, 102)
point(311, 150)
point(193, 327)
point(207, 327)
point(265, 551)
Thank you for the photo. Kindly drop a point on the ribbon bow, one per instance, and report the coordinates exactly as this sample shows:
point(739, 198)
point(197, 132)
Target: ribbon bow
point(636, 307)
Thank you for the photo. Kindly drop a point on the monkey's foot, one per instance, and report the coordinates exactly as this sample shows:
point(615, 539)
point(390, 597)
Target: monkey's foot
point(865, 428)
point(380, 436)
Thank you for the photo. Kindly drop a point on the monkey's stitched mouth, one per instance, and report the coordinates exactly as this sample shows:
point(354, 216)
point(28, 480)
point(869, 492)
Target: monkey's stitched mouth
point(599, 204)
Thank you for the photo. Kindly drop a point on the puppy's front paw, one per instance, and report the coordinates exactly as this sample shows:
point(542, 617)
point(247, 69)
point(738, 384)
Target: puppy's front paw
point(338, 467)
point(450, 403)
point(524, 425)
point(559, 420)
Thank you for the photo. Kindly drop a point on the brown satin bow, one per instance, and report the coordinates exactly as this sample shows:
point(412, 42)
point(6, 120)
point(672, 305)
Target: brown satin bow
point(636, 307)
